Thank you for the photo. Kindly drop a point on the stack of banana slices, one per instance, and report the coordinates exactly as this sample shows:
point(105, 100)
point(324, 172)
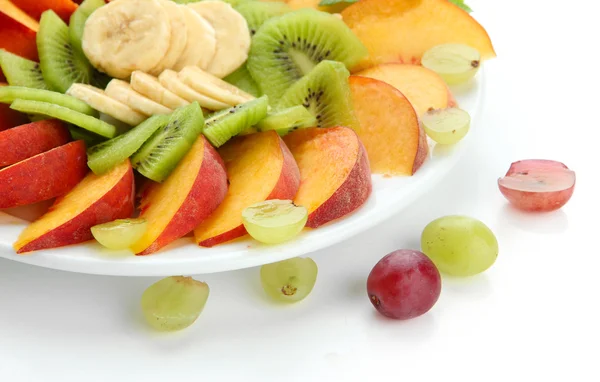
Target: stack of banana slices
point(154, 36)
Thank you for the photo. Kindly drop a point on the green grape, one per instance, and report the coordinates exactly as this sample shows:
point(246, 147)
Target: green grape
point(289, 280)
point(459, 245)
point(274, 221)
point(446, 126)
point(455, 63)
point(120, 233)
point(174, 303)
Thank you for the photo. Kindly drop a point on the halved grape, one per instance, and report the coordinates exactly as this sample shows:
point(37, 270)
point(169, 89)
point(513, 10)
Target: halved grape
point(274, 221)
point(174, 303)
point(120, 233)
point(459, 245)
point(455, 63)
point(289, 280)
point(446, 126)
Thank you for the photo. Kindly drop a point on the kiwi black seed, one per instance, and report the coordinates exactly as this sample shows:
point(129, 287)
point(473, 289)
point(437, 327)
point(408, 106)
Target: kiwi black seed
point(106, 155)
point(61, 64)
point(160, 154)
point(257, 12)
point(20, 71)
point(287, 120)
point(325, 92)
point(288, 47)
point(242, 79)
point(225, 124)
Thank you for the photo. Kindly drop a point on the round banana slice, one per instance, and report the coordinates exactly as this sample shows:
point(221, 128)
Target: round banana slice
point(179, 37)
point(214, 87)
point(97, 99)
point(149, 86)
point(127, 35)
point(201, 42)
point(171, 81)
point(122, 92)
point(233, 37)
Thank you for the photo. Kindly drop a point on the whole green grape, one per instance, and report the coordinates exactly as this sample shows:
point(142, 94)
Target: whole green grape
point(459, 245)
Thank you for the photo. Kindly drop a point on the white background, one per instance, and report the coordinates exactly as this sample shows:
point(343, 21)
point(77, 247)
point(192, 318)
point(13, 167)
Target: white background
point(533, 315)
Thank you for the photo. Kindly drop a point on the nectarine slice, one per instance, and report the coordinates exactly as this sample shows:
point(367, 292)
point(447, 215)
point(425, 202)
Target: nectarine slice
point(63, 8)
point(334, 168)
point(390, 129)
point(189, 195)
point(424, 88)
point(95, 200)
point(17, 38)
point(9, 8)
point(44, 176)
point(260, 167)
point(25, 141)
point(402, 30)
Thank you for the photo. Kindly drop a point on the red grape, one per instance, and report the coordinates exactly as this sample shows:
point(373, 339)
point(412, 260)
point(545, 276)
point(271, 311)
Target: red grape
point(404, 284)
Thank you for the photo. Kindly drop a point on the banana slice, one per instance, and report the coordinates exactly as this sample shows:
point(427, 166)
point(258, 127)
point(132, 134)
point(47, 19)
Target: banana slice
point(127, 35)
point(213, 87)
point(171, 81)
point(201, 43)
point(97, 99)
point(179, 36)
point(122, 92)
point(233, 37)
point(149, 86)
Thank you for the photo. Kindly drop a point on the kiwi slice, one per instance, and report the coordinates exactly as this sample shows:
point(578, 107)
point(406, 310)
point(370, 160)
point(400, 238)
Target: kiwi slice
point(20, 71)
point(79, 134)
point(61, 65)
point(8, 94)
point(325, 92)
point(242, 79)
point(288, 47)
point(225, 124)
point(65, 114)
point(257, 12)
point(106, 155)
point(287, 120)
point(160, 154)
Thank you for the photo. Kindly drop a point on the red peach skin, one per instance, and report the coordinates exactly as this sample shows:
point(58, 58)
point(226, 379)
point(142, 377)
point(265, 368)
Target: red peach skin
point(335, 173)
point(25, 141)
point(192, 192)
point(96, 200)
point(44, 176)
point(17, 38)
point(34, 8)
point(8, 117)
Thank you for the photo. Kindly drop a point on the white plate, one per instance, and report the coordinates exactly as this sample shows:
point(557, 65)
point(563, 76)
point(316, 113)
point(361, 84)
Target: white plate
point(390, 195)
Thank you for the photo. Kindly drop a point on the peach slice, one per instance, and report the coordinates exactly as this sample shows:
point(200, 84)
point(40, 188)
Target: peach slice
point(17, 38)
point(424, 88)
point(95, 200)
point(390, 130)
point(298, 4)
point(260, 167)
point(9, 8)
point(44, 176)
point(403, 30)
point(336, 178)
point(25, 141)
point(190, 194)
point(34, 8)
point(538, 185)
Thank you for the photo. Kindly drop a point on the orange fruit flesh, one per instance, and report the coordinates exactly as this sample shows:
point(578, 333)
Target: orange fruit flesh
point(325, 157)
point(87, 192)
point(162, 201)
point(389, 126)
point(254, 164)
point(424, 88)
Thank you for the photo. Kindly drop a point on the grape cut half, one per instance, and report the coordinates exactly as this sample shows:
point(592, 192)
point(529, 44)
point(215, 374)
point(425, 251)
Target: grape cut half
point(289, 280)
point(446, 126)
point(274, 221)
point(120, 233)
point(455, 63)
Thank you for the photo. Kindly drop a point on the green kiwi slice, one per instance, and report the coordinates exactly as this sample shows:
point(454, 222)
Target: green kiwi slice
point(242, 79)
point(65, 114)
point(325, 92)
point(288, 47)
point(287, 120)
point(257, 12)
point(225, 124)
point(160, 154)
point(20, 71)
point(79, 134)
point(106, 155)
point(8, 94)
point(61, 65)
